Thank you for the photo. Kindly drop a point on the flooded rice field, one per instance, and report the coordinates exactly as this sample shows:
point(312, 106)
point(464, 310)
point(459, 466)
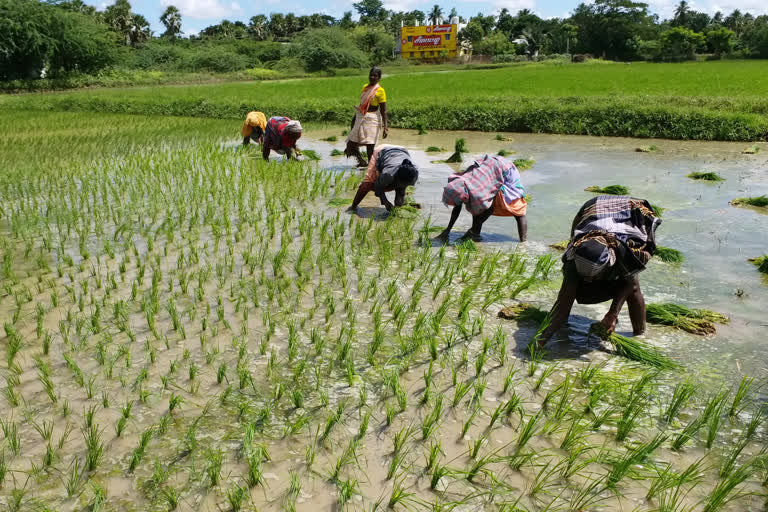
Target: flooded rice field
point(194, 329)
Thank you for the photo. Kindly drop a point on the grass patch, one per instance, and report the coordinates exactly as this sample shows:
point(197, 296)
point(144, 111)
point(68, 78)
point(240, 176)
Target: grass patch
point(695, 321)
point(523, 164)
point(761, 263)
point(757, 202)
point(705, 176)
point(613, 190)
point(669, 255)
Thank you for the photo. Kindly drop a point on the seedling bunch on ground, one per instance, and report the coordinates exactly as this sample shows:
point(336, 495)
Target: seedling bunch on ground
point(613, 190)
point(185, 326)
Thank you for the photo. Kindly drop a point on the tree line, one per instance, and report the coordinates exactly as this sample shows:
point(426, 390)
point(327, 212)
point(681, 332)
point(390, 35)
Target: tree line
point(60, 37)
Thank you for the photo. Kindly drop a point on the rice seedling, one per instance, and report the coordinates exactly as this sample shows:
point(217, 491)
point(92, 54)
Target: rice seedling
point(682, 393)
point(636, 403)
point(236, 496)
point(738, 405)
point(756, 202)
point(669, 255)
point(460, 147)
point(614, 190)
point(94, 447)
point(695, 321)
point(646, 149)
point(705, 176)
point(726, 490)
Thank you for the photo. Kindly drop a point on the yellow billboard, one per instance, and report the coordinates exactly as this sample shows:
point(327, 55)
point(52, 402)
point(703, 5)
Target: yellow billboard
point(428, 42)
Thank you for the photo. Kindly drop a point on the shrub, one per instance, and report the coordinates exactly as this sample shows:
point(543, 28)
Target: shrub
point(326, 48)
point(217, 59)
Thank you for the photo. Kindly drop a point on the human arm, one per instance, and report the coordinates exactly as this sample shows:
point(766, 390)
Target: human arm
point(265, 152)
point(384, 118)
point(246, 140)
point(447, 231)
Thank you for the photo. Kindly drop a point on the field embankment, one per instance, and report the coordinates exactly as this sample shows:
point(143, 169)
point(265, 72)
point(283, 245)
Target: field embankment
point(703, 101)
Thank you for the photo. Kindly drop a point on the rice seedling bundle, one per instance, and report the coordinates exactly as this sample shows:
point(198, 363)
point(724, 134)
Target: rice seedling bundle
point(561, 245)
point(633, 348)
point(310, 154)
point(757, 202)
point(695, 321)
point(434, 149)
point(705, 176)
point(668, 255)
point(459, 149)
point(523, 164)
point(523, 312)
point(613, 190)
point(761, 263)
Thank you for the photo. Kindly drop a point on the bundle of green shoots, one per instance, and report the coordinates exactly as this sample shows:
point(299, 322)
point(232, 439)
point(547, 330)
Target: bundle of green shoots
point(705, 176)
point(634, 349)
point(561, 245)
point(761, 263)
point(459, 149)
point(695, 321)
point(758, 202)
point(523, 312)
point(523, 164)
point(613, 190)
point(668, 254)
point(631, 348)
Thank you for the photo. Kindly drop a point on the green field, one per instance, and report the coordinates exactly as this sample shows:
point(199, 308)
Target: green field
point(189, 327)
point(725, 100)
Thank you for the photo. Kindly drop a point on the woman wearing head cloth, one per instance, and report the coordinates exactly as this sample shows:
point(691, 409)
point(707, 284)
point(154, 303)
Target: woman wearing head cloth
point(281, 136)
point(612, 240)
point(253, 127)
point(389, 168)
point(370, 117)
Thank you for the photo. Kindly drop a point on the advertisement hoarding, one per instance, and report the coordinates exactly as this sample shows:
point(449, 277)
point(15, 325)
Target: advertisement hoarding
point(428, 42)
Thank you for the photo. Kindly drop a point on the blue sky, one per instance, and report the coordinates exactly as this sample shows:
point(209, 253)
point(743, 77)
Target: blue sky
point(198, 14)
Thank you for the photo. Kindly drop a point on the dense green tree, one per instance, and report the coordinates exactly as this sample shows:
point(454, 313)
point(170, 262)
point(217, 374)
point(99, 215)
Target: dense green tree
point(327, 48)
point(720, 41)
point(370, 11)
point(374, 41)
point(257, 27)
point(680, 43)
point(346, 22)
point(611, 28)
point(171, 20)
point(496, 44)
point(226, 30)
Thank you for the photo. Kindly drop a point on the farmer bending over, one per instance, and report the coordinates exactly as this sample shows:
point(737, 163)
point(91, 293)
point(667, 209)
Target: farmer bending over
point(490, 186)
point(281, 136)
point(612, 240)
point(389, 168)
point(253, 128)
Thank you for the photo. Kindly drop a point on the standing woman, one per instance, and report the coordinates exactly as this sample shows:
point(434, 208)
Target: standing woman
point(370, 117)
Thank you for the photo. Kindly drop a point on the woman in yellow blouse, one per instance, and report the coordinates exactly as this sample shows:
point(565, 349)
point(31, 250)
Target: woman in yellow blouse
point(253, 128)
point(370, 117)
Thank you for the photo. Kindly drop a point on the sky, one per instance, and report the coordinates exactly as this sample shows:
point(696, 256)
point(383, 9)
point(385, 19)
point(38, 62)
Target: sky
point(198, 14)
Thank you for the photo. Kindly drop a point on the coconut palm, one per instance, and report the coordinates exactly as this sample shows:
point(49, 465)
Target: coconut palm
point(435, 15)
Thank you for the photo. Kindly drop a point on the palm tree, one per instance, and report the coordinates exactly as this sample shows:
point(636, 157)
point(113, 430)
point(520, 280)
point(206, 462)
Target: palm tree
point(681, 13)
point(435, 15)
point(171, 19)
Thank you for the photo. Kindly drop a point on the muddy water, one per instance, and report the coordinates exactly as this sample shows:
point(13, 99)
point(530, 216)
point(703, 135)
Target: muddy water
point(715, 238)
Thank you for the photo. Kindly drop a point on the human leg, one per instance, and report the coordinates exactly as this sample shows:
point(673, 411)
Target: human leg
point(265, 152)
point(362, 191)
point(636, 305)
point(353, 150)
point(477, 224)
point(522, 228)
point(623, 291)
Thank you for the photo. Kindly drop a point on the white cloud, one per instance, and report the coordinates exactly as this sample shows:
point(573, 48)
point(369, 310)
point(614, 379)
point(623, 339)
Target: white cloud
point(204, 9)
point(514, 5)
point(666, 8)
